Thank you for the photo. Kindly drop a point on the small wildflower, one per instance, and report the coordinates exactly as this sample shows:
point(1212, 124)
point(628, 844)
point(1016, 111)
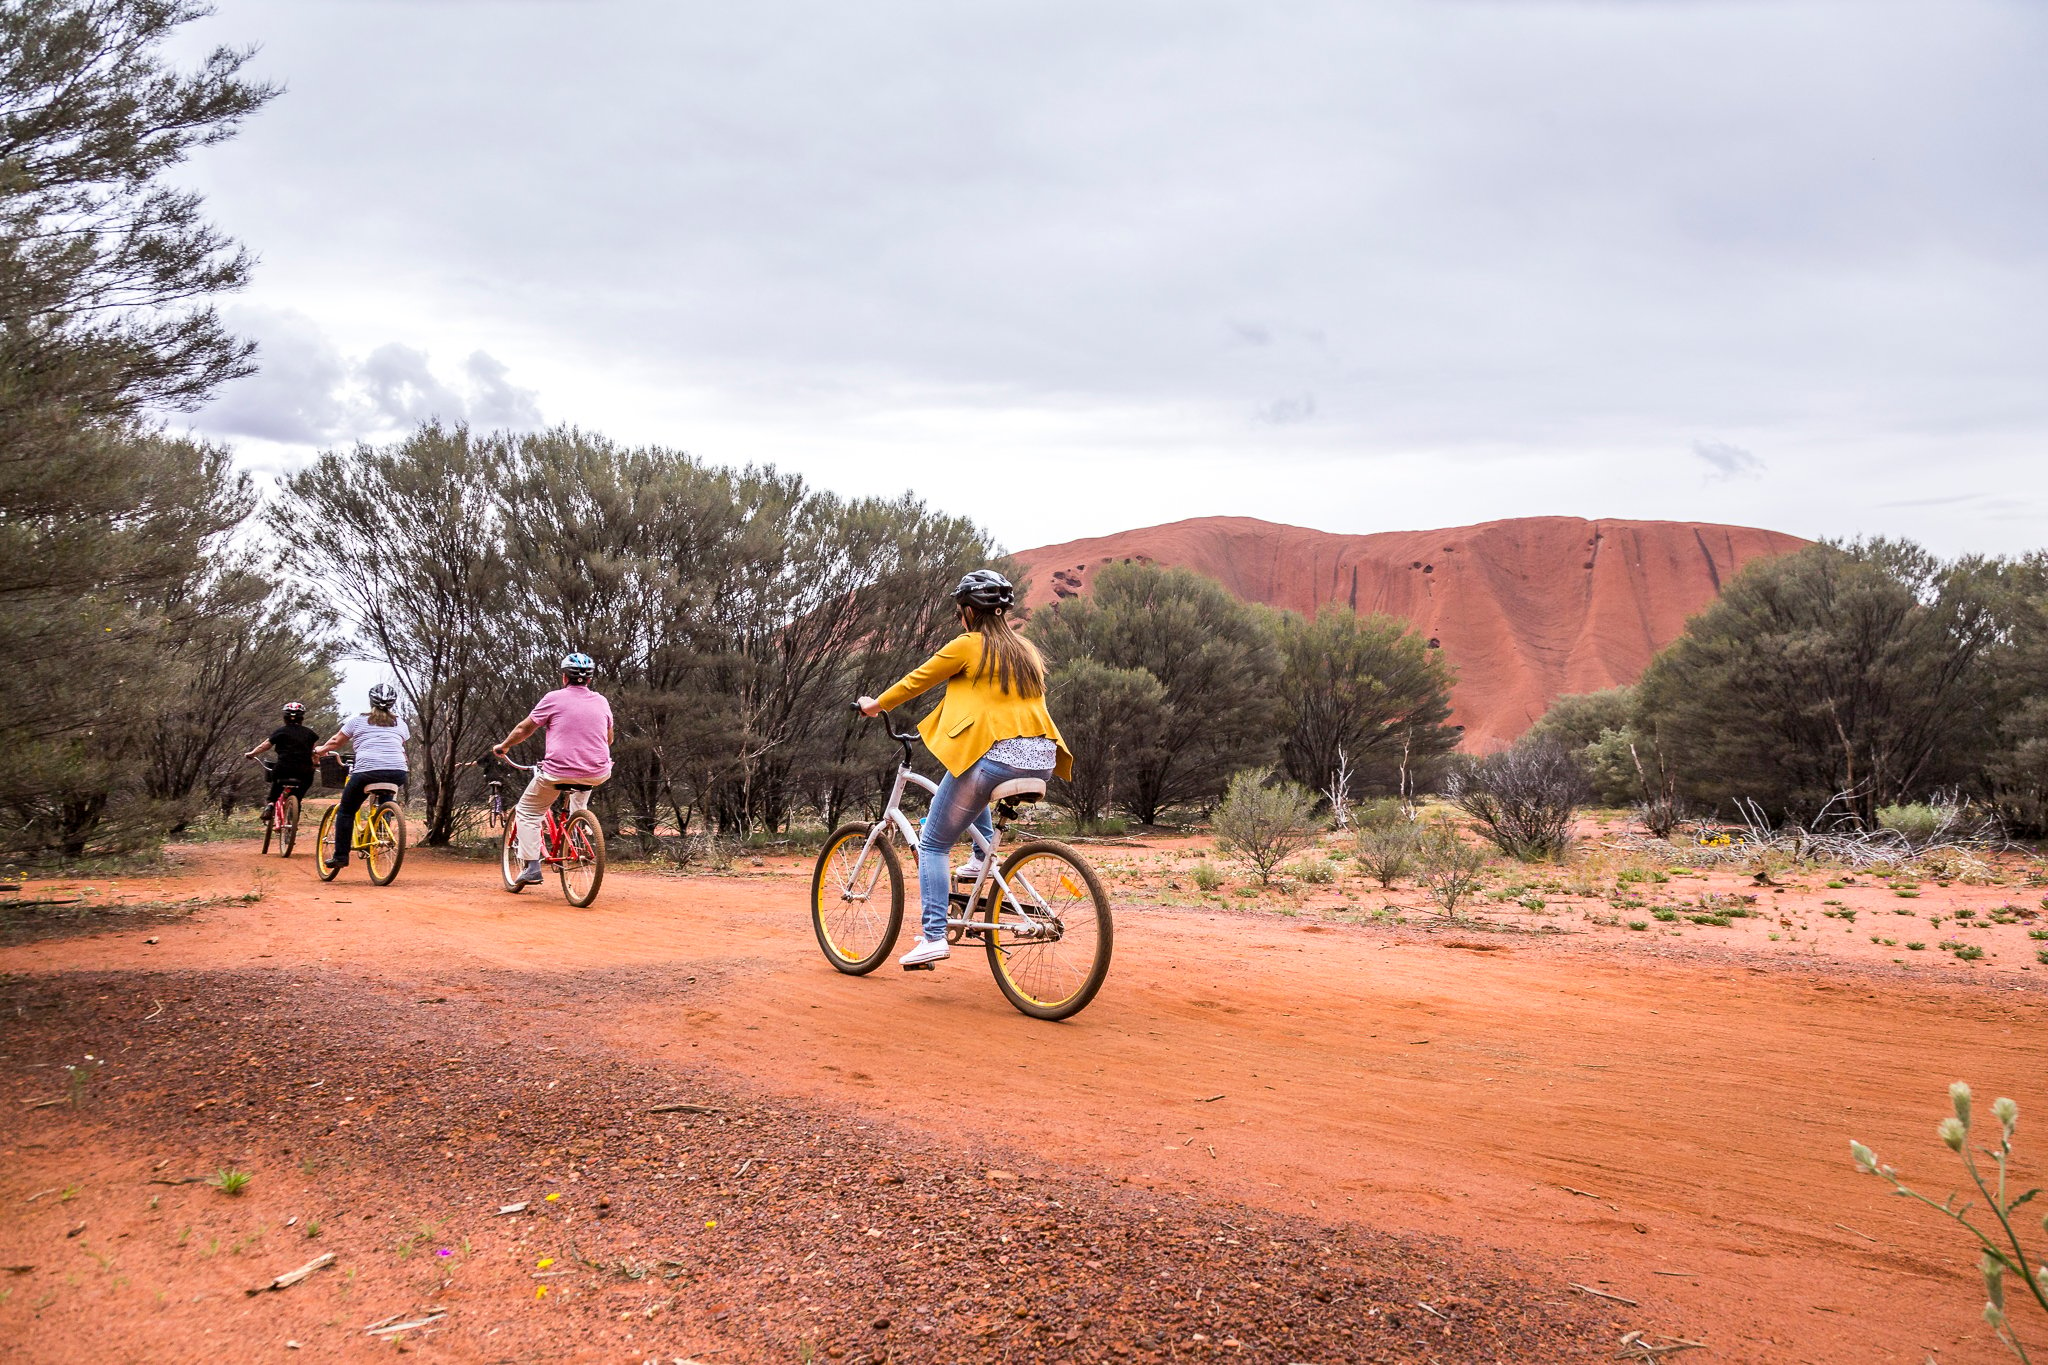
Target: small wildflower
point(710, 1222)
point(544, 1262)
point(541, 1292)
point(1866, 1160)
point(553, 1197)
point(1953, 1132)
point(444, 1251)
point(1959, 1096)
point(2005, 1111)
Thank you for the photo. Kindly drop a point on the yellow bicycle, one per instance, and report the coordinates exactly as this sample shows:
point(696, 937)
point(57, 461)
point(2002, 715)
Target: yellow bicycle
point(379, 835)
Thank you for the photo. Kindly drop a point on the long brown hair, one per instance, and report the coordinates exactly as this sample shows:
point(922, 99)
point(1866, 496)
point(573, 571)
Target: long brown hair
point(377, 715)
point(1012, 660)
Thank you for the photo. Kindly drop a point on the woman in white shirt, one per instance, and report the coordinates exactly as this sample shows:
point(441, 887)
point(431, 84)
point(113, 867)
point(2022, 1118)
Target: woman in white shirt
point(378, 738)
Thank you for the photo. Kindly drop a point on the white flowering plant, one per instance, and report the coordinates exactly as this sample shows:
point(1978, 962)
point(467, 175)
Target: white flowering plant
point(2003, 1254)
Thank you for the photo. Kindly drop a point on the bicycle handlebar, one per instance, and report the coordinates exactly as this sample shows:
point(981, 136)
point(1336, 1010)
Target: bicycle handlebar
point(911, 737)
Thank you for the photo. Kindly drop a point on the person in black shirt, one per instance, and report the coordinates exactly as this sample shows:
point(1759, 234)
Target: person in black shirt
point(293, 742)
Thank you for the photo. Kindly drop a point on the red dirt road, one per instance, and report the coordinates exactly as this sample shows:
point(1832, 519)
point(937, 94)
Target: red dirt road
point(1674, 1133)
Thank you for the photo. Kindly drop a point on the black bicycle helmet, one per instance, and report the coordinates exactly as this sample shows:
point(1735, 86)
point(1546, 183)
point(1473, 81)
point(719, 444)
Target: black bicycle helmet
point(985, 590)
point(383, 696)
point(294, 712)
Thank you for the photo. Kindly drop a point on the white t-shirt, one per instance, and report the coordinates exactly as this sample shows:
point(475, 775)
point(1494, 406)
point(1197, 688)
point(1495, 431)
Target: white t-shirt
point(377, 747)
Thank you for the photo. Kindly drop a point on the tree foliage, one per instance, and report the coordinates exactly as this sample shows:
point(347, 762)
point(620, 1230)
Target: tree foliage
point(1523, 799)
point(1364, 688)
point(1863, 669)
point(733, 612)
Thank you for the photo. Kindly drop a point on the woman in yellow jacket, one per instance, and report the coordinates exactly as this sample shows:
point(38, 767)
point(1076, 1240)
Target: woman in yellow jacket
point(991, 727)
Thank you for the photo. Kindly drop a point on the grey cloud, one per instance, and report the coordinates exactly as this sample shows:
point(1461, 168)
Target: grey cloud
point(1725, 461)
point(307, 392)
point(1528, 229)
point(1285, 412)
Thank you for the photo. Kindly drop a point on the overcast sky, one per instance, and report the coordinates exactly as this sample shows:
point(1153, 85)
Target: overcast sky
point(1074, 267)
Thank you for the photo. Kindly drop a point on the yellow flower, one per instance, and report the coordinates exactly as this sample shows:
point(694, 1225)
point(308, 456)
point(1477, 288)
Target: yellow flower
point(553, 1197)
point(544, 1262)
point(541, 1292)
point(710, 1222)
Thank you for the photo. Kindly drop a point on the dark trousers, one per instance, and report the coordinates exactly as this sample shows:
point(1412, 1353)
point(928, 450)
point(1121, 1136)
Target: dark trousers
point(352, 801)
point(300, 783)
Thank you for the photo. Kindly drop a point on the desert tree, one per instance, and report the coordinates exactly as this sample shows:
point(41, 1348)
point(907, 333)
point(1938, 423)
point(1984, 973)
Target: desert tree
point(1844, 668)
point(405, 543)
point(1363, 692)
point(1108, 716)
point(1523, 799)
point(1215, 661)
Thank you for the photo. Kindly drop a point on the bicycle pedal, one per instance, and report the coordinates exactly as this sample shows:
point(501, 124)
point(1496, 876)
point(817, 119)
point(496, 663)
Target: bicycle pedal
point(921, 967)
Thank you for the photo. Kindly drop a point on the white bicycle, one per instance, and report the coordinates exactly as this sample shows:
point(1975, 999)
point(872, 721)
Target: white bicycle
point(1039, 912)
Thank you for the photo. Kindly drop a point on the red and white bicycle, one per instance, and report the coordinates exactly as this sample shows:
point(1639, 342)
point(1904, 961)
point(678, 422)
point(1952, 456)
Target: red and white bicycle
point(572, 843)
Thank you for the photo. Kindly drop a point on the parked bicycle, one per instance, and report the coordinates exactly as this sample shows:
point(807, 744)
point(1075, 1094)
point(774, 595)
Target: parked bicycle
point(572, 842)
point(379, 835)
point(495, 810)
point(1040, 911)
point(281, 817)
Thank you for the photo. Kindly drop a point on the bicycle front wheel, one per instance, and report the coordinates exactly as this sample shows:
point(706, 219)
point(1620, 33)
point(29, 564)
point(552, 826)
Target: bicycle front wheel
point(324, 849)
point(582, 864)
point(1050, 940)
point(510, 864)
point(269, 819)
point(384, 842)
point(288, 832)
point(855, 915)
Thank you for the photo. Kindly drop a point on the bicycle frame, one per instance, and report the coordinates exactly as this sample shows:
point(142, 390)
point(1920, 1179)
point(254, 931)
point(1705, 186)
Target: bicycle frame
point(552, 839)
point(893, 818)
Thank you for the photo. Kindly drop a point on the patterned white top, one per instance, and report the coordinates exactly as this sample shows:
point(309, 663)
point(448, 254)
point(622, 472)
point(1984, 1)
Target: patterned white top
point(1032, 753)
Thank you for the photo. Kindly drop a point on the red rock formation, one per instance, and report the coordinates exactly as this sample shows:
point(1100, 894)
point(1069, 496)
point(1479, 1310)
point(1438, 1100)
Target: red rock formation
point(1526, 609)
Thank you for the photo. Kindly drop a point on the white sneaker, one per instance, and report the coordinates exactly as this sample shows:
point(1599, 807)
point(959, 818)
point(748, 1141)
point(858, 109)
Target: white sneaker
point(969, 870)
point(927, 950)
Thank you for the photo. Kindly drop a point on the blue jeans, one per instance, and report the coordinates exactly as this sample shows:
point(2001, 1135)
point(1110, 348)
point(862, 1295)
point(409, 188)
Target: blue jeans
point(960, 801)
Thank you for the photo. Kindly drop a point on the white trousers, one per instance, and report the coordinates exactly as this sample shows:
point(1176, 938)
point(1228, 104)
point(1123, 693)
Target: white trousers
point(534, 802)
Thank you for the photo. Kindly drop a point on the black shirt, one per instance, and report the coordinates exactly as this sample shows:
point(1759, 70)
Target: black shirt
point(294, 745)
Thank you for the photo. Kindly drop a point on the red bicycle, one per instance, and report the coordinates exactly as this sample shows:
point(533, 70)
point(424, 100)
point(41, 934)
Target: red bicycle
point(572, 843)
point(282, 819)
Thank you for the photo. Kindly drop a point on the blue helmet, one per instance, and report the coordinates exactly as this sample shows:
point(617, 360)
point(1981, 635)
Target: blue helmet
point(577, 668)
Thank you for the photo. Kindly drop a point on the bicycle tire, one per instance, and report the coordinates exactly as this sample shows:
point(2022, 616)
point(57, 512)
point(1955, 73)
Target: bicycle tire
point(1032, 973)
point(854, 937)
point(510, 864)
point(269, 818)
point(582, 853)
point(387, 843)
point(324, 848)
point(288, 836)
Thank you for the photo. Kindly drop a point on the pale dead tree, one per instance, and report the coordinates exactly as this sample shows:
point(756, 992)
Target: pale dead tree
point(1338, 793)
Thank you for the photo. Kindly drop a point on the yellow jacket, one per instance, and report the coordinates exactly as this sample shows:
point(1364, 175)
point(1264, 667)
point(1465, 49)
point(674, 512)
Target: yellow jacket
point(976, 713)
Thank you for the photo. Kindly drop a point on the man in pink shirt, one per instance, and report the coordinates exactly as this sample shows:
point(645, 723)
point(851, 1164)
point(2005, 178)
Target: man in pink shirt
point(579, 754)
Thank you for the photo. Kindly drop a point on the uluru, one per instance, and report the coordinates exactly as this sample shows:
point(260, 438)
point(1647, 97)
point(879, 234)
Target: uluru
point(1526, 609)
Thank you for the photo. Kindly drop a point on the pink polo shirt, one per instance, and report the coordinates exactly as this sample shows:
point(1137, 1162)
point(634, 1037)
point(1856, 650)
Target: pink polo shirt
point(577, 721)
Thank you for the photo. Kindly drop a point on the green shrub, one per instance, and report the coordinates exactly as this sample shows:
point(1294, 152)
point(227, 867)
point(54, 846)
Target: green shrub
point(1448, 867)
point(1917, 821)
point(1264, 822)
point(1206, 875)
point(1664, 915)
point(1386, 853)
point(1314, 871)
point(1380, 813)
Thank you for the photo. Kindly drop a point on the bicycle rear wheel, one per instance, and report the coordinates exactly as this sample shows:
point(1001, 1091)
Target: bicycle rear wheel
point(582, 864)
point(288, 833)
point(1051, 960)
point(510, 864)
point(854, 930)
point(324, 849)
point(386, 842)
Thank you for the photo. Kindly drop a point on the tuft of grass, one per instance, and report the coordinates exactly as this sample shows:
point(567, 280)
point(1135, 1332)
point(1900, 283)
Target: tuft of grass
point(1314, 871)
point(1916, 947)
point(1907, 892)
point(1639, 924)
point(1206, 875)
point(230, 1182)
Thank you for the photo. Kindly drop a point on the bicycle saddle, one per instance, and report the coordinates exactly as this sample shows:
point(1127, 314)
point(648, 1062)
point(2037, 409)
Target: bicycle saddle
point(573, 786)
point(381, 788)
point(1019, 789)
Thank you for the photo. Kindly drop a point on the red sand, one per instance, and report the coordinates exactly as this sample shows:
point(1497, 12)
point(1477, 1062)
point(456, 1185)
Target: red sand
point(1662, 1118)
point(1527, 609)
